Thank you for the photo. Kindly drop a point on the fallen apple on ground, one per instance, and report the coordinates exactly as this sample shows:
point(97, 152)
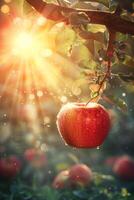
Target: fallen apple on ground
point(61, 180)
point(9, 167)
point(77, 175)
point(83, 125)
point(124, 168)
point(35, 157)
point(80, 174)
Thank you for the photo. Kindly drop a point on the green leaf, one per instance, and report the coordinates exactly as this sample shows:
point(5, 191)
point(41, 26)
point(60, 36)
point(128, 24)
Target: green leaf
point(104, 2)
point(94, 94)
point(81, 194)
point(122, 69)
point(129, 61)
point(64, 39)
point(62, 166)
point(127, 78)
point(80, 54)
point(95, 28)
point(77, 19)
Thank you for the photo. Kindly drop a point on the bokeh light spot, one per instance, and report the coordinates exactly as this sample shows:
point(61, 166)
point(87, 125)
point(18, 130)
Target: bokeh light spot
point(5, 9)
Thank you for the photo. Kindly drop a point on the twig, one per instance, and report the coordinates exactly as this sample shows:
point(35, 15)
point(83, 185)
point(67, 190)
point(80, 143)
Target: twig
point(60, 13)
point(110, 48)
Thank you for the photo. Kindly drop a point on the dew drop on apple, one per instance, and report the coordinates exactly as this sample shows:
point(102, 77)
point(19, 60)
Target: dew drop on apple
point(98, 148)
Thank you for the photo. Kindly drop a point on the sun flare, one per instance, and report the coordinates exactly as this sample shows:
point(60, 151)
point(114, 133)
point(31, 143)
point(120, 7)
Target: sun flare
point(29, 45)
point(24, 43)
point(24, 40)
point(31, 68)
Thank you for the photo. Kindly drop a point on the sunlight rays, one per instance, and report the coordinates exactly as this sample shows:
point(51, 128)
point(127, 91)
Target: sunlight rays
point(32, 64)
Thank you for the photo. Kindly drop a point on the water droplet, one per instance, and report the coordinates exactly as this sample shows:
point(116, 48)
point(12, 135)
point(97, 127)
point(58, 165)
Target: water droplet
point(63, 99)
point(100, 59)
point(5, 115)
point(41, 21)
point(39, 93)
point(44, 147)
point(48, 126)
point(5, 9)
point(49, 172)
point(31, 96)
point(46, 120)
point(124, 94)
point(46, 53)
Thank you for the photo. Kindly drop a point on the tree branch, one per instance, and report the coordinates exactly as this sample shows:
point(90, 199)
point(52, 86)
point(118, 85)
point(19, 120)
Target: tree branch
point(57, 13)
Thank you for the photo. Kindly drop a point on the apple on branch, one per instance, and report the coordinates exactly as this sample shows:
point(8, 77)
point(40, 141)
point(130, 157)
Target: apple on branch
point(83, 125)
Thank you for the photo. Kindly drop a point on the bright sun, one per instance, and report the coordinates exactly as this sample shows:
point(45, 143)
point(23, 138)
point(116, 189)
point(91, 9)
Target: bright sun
point(24, 41)
point(26, 45)
point(31, 63)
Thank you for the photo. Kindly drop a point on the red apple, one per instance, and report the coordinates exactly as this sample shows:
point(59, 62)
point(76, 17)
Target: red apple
point(61, 180)
point(124, 168)
point(83, 126)
point(9, 167)
point(36, 157)
point(80, 174)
